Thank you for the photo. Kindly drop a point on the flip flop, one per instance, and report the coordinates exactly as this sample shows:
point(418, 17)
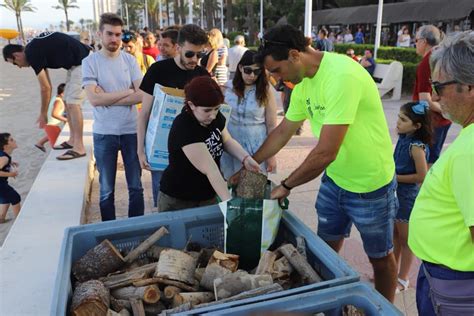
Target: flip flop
point(63, 145)
point(40, 148)
point(70, 154)
point(404, 283)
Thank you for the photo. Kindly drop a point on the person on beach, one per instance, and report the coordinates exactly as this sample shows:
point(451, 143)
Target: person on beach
point(56, 119)
point(197, 140)
point(168, 44)
point(354, 151)
point(8, 169)
point(53, 50)
point(130, 45)
point(111, 79)
point(173, 73)
point(411, 155)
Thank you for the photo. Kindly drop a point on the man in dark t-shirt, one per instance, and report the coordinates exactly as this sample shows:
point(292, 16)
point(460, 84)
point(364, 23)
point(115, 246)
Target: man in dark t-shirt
point(173, 73)
point(54, 50)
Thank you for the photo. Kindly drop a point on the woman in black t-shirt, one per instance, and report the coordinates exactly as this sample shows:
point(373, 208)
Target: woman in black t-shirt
point(197, 139)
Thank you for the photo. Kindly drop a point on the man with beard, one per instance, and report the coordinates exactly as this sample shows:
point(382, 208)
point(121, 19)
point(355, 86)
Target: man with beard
point(111, 78)
point(173, 73)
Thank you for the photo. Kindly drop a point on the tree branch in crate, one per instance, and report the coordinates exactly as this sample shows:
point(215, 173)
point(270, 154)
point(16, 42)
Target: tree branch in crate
point(238, 282)
point(149, 294)
point(265, 265)
point(118, 305)
point(164, 281)
point(90, 298)
point(126, 278)
point(193, 298)
point(300, 264)
point(137, 307)
point(301, 246)
point(144, 246)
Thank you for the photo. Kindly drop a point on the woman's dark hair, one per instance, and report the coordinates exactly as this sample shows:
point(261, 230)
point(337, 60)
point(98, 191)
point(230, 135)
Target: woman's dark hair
point(261, 83)
point(203, 91)
point(425, 132)
point(4, 137)
point(61, 88)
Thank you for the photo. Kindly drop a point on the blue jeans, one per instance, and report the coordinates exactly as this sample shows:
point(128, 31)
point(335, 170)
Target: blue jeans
point(440, 134)
point(155, 185)
point(372, 213)
point(106, 148)
point(423, 299)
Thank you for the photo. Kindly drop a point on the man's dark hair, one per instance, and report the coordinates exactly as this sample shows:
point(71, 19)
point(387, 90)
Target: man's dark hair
point(171, 34)
point(110, 19)
point(278, 41)
point(128, 36)
point(4, 137)
point(10, 49)
point(61, 88)
point(193, 34)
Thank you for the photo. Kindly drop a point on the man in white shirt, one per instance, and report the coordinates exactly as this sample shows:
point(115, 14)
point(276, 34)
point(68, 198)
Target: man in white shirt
point(235, 54)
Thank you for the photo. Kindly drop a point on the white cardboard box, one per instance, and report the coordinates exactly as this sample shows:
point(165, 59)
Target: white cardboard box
point(167, 104)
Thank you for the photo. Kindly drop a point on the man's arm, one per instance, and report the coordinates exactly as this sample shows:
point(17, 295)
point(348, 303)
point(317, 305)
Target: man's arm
point(133, 98)
point(434, 106)
point(45, 90)
point(97, 97)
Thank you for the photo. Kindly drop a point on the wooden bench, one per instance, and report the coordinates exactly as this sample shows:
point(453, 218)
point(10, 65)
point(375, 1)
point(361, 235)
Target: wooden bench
point(389, 77)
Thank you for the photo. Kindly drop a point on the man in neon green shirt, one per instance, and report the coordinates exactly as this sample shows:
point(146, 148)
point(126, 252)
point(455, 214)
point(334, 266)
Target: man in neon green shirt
point(441, 230)
point(342, 103)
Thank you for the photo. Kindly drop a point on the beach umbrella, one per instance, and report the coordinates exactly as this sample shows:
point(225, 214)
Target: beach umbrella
point(9, 34)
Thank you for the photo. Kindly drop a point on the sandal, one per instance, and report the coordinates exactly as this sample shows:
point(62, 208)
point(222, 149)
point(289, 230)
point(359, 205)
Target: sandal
point(70, 154)
point(40, 148)
point(404, 284)
point(63, 145)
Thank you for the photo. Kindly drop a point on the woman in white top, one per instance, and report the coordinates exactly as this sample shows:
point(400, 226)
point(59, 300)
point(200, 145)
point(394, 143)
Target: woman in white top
point(404, 39)
point(253, 114)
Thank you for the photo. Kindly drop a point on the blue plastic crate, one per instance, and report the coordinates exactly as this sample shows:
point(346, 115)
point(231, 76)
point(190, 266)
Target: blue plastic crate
point(329, 301)
point(202, 225)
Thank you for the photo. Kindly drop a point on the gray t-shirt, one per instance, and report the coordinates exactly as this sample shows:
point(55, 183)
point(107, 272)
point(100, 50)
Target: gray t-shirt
point(112, 74)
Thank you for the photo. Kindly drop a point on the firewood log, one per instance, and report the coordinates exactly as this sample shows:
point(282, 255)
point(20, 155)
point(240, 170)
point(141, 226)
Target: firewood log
point(251, 185)
point(301, 246)
point(137, 307)
point(144, 246)
point(265, 265)
point(176, 265)
point(282, 268)
point(182, 308)
point(155, 280)
point(199, 273)
point(90, 298)
point(118, 305)
point(125, 279)
point(212, 272)
point(194, 298)
point(123, 312)
point(98, 262)
point(149, 294)
point(300, 264)
point(238, 282)
point(226, 260)
point(170, 291)
point(154, 309)
point(155, 251)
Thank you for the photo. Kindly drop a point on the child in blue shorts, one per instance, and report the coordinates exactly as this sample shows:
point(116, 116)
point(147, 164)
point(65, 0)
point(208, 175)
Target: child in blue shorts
point(8, 195)
point(411, 155)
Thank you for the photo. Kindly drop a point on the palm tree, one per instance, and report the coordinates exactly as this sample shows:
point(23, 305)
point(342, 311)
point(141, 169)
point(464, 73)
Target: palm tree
point(65, 5)
point(19, 6)
point(82, 22)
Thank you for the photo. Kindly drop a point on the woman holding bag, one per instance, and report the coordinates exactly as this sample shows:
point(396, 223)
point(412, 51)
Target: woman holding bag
point(197, 140)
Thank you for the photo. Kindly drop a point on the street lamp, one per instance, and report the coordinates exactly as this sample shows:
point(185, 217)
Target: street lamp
point(308, 8)
point(378, 29)
point(190, 18)
point(202, 14)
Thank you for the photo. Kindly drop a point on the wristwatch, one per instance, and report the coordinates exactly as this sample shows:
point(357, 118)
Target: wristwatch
point(283, 184)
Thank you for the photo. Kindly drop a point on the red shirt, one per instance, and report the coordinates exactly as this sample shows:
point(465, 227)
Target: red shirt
point(423, 85)
point(151, 51)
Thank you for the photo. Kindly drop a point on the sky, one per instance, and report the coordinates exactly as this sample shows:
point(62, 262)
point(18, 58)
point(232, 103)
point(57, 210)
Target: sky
point(45, 14)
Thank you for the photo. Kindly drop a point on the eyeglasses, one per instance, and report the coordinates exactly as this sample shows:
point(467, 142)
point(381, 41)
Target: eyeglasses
point(418, 39)
point(191, 54)
point(249, 70)
point(438, 87)
point(264, 43)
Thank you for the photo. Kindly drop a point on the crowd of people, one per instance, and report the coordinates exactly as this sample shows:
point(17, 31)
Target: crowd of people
point(396, 200)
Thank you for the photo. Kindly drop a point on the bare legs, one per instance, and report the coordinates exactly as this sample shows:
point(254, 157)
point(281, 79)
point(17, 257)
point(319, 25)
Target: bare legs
point(4, 208)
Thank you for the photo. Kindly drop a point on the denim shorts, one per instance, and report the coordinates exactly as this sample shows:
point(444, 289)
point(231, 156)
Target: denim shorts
point(8, 195)
point(406, 199)
point(372, 213)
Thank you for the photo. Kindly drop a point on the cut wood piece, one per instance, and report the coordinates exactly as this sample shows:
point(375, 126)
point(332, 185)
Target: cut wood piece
point(301, 246)
point(247, 294)
point(118, 305)
point(137, 307)
point(300, 264)
point(226, 260)
point(123, 312)
point(238, 282)
point(90, 298)
point(251, 185)
point(170, 291)
point(148, 268)
point(149, 294)
point(154, 309)
point(98, 262)
point(139, 262)
point(282, 268)
point(125, 279)
point(199, 273)
point(193, 298)
point(265, 265)
point(176, 265)
point(181, 285)
point(182, 308)
point(155, 251)
point(144, 246)
point(212, 272)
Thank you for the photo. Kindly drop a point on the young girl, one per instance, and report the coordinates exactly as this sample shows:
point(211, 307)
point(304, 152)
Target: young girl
point(411, 154)
point(196, 141)
point(253, 114)
point(8, 195)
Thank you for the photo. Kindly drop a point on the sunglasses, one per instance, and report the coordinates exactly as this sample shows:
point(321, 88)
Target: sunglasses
point(191, 54)
point(128, 37)
point(264, 43)
point(249, 70)
point(438, 87)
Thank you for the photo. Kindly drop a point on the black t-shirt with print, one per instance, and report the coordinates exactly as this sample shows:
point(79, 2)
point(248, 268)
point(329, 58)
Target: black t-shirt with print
point(55, 50)
point(166, 73)
point(181, 179)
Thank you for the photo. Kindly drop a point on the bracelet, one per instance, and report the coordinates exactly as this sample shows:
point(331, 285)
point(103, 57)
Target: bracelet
point(243, 160)
point(283, 184)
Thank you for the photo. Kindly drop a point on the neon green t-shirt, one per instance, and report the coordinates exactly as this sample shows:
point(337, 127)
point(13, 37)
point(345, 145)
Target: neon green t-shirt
point(342, 92)
point(444, 209)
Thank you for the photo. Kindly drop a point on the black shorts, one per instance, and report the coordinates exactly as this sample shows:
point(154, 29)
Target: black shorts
point(8, 195)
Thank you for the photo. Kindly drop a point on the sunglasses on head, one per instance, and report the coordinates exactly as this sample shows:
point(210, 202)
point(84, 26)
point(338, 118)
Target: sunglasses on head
point(438, 87)
point(264, 43)
point(128, 37)
point(249, 70)
point(191, 54)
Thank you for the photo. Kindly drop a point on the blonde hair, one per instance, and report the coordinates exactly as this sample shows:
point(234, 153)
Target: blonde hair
point(215, 38)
